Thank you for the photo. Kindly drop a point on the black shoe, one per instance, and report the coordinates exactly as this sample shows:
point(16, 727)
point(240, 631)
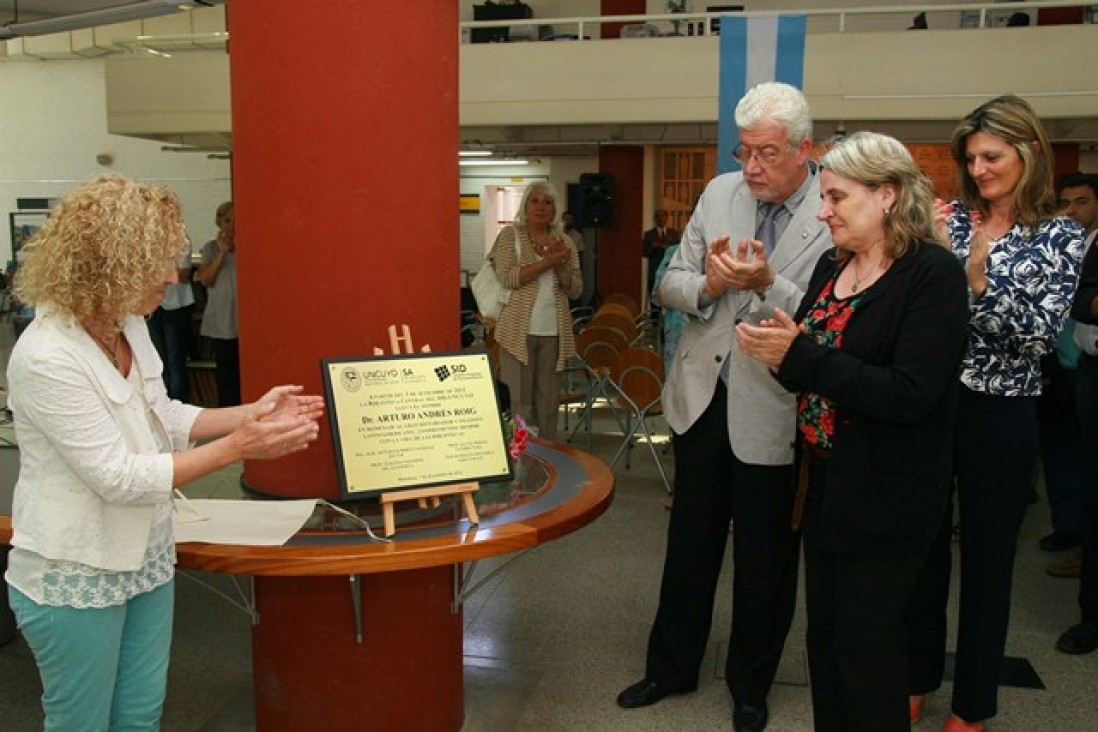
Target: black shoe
point(645, 693)
point(749, 717)
point(1059, 541)
point(1079, 639)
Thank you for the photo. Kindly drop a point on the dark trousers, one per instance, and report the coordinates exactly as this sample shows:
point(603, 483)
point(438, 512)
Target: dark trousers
point(1087, 403)
point(857, 635)
point(1061, 448)
point(712, 487)
point(170, 331)
point(227, 370)
point(994, 457)
point(7, 617)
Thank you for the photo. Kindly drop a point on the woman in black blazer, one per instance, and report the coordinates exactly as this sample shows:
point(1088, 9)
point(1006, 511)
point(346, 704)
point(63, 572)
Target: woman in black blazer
point(874, 350)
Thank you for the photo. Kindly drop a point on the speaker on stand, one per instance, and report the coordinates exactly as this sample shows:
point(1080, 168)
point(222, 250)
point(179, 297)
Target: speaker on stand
point(596, 211)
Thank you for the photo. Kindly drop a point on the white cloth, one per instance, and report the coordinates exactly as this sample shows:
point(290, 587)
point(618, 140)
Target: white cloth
point(543, 318)
point(72, 584)
point(92, 472)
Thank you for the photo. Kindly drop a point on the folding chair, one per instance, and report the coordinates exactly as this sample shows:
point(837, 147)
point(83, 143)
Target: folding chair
point(596, 348)
point(637, 375)
point(621, 299)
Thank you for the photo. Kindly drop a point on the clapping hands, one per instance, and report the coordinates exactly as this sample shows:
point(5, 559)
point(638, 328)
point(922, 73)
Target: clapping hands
point(280, 422)
point(769, 341)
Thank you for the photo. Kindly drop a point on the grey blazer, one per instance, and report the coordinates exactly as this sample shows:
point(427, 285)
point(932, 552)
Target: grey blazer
point(761, 414)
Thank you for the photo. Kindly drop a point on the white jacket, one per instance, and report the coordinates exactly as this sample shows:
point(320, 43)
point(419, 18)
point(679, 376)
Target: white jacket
point(92, 469)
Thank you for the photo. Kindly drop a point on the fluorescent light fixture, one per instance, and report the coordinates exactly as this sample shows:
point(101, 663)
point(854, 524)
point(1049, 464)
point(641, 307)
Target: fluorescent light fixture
point(474, 153)
point(475, 162)
point(92, 18)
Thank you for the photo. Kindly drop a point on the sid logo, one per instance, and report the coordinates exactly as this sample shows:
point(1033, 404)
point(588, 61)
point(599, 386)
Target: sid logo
point(442, 373)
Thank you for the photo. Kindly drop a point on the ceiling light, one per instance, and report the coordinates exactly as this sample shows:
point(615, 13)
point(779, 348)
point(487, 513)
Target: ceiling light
point(474, 153)
point(92, 18)
point(469, 163)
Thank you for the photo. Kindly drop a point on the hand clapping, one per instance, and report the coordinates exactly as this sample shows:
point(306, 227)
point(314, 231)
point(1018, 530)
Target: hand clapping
point(769, 341)
point(747, 268)
point(280, 422)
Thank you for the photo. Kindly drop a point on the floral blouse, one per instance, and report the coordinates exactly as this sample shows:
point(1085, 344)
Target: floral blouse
point(824, 322)
point(1031, 279)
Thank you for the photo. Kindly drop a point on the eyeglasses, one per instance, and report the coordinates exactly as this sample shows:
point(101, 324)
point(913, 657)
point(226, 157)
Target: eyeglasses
point(766, 154)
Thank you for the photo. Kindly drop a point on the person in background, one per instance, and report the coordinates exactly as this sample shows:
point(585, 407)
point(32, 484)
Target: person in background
point(1082, 637)
point(656, 241)
point(91, 571)
point(1057, 417)
point(672, 323)
point(568, 222)
point(749, 247)
point(535, 327)
point(217, 272)
point(1061, 442)
point(873, 351)
point(1021, 262)
point(170, 328)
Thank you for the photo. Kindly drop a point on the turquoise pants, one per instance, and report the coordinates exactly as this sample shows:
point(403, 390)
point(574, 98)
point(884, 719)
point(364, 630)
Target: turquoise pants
point(101, 668)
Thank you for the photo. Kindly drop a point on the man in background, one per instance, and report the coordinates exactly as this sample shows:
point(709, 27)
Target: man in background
point(656, 241)
point(1083, 637)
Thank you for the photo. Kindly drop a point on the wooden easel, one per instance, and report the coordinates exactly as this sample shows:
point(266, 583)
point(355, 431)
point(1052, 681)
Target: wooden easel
point(429, 497)
point(425, 496)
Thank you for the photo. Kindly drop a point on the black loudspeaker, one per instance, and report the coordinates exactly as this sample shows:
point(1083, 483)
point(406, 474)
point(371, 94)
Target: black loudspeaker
point(596, 200)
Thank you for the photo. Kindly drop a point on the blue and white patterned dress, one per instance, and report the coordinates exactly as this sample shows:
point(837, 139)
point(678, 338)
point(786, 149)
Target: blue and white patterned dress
point(1031, 280)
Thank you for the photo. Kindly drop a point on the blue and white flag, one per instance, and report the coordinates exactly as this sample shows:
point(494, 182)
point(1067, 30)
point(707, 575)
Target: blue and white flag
point(753, 50)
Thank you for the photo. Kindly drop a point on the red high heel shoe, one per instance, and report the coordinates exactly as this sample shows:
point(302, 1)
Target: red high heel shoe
point(956, 724)
point(915, 705)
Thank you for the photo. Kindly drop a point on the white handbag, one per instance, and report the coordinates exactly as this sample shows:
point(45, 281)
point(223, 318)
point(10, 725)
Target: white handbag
point(488, 291)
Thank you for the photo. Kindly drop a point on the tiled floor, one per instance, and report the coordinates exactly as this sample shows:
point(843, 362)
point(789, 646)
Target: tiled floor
point(551, 640)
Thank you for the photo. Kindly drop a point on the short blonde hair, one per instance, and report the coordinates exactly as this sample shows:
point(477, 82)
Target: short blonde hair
point(104, 246)
point(550, 191)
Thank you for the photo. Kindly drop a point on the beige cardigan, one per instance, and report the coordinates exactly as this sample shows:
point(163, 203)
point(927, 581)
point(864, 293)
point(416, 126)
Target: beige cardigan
point(514, 320)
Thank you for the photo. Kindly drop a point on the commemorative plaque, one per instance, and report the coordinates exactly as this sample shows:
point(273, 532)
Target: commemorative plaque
point(409, 421)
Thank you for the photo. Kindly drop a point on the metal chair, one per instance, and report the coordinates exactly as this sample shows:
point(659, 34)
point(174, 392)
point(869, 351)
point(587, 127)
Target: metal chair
point(637, 375)
point(596, 349)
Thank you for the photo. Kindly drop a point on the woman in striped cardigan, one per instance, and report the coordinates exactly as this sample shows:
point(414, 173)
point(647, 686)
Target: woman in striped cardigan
point(540, 267)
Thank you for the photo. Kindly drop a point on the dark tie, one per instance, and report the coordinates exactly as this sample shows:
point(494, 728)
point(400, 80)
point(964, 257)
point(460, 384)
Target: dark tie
point(767, 232)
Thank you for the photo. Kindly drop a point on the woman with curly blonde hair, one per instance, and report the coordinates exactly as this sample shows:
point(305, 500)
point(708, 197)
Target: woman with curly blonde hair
point(102, 449)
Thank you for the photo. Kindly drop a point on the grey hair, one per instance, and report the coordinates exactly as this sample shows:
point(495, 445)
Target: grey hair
point(551, 191)
point(778, 102)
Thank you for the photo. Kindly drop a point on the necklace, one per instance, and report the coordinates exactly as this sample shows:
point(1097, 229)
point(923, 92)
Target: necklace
point(858, 278)
point(108, 351)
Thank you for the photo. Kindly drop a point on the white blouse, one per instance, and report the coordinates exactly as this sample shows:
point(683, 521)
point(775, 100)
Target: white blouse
point(94, 486)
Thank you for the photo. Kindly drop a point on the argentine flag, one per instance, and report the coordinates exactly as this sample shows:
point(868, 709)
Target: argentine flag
point(753, 50)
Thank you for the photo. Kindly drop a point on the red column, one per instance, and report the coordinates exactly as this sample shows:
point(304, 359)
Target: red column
point(619, 7)
point(345, 137)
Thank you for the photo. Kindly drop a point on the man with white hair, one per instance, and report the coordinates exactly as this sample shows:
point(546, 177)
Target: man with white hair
point(750, 246)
